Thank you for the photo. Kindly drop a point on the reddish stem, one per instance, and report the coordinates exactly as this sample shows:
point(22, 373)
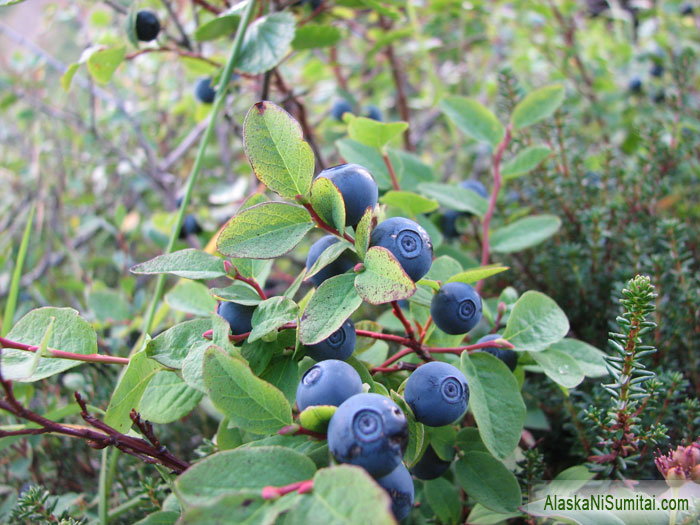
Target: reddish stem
point(392, 173)
point(298, 430)
point(497, 180)
point(385, 337)
point(248, 280)
point(206, 5)
point(401, 317)
point(88, 358)
point(302, 487)
point(166, 49)
point(424, 332)
point(469, 348)
point(322, 224)
point(501, 310)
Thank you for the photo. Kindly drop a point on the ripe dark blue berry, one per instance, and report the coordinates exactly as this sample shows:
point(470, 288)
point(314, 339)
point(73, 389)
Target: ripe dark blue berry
point(399, 485)
point(374, 113)
point(456, 308)
point(509, 357)
point(657, 70)
point(339, 108)
point(686, 9)
point(147, 26)
point(437, 393)
point(239, 316)
point(329, 382)
point(371, 431)
point(190, 226)
point(635, 85)
point(476, 186)
point(408, 242)
point(449, 224)
point(342, 264)
point(203, 90)
point(430, 465)
point(357, 186)
point(339, 345)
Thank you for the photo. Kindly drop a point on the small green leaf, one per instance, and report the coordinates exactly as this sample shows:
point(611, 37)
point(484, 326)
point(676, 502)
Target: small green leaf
point(383, 280)
point(274, 144)
point(524, 162)
point(283, 372)
point(330, 306)
point(559, 367)
point(589, 358)
point(109, 305)
point(266, 42)
point(489, 482)
point(191, 297)
point(370, 158)
point(409, 202)
point(193, 366)
point(524, 233)
point(455, 198)
point(167, 398)
point(443, 498)
point(535, 322)
point(223, 25)
point(26, 368)
point(434, 285)
point(327, 201)
point(130, 388)
point(265, 231)
point(473, 119)
point(373, 133)
point(67, 77)
point(70, 333)
point(443, 439)
point(271, 314)
point(495, 401)
point(246, 400)
point(103, 63)
point(190, 264)
point(417, 442)
point(170, 347)
point(316, 418)
point(239, 292)
point(312, 36)
point(328, 255)
point(537, 105)
point(242, 469)
point(477, 274)
point(363, 231)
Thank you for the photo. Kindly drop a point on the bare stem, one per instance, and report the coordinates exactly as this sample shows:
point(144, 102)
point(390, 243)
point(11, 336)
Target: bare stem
point(87, 358)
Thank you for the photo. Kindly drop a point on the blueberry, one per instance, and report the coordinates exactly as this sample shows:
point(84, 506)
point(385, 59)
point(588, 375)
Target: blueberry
point(657, 70)
point(340, 344)
point(456, 308)
point(476, 186)
point(341, 265)
point(659, 96)
point(635, 85)
point(374, 113)
point(686, 9)
point(147, 26)
point(178, 201)
point(437, 393)
point(190, 226)
point(399, 485)
point(329, 382)
point(315, 4)
point(509, 357)
point(409, 243)
point(239, 316)
point(430, 465)
point(357, 186)
point(370, 431)
point(449, 224)
point(203, 90)
point(339, 108)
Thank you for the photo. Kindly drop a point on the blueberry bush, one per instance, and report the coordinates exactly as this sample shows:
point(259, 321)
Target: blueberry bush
point(345, 261)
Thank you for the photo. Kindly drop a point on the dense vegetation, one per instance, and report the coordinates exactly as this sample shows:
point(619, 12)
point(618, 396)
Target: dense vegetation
point(166, 279)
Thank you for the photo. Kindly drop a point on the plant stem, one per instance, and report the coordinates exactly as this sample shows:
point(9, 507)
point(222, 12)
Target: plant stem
point(401, 317)
point(11, 303)
point(179, 52)
point(392, 173)
point(497, 180)
point(197, 167)
point(87, 358)
point(325, 226)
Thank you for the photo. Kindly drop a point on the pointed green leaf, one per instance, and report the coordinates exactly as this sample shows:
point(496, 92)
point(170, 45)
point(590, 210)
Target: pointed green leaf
point(373, 133)
point(266, 42)
point(169, 348)
point(443, 498)
point(477, 274)
point(489, 482)
point(474, 119)
point(190, 264)
point(538, 105)
point(329, 307)
point(168, 398)
point(535, 322)
point(383, 279)
point(409, 202)
point(239, 292)
point(271, 314)
point(191, 297)
point(524, 162)
point(370, 158)
point(312, 36)
point(264, 231)
point(590, 359)
point(495, 401)
point(274, 144)
point(455, 198)
point(328, 255)
point(559, 367)
point(103, 63)
point(67, 77)
point(246, 400)
point(524, 233)
point(363, 231)
point(327, 201)
point(417, 442)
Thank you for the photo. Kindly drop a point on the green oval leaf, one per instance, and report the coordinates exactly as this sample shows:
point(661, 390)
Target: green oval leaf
point(264, 231)
point(489, 482)
point(495, 401)
point(473, 119)
point(383, 280)
point(537, 105)
point(373, 133)
point(559, 367)
point(590, 359)
point(328, 255)
point(327, 201)
point(524, 162)
point(191, 297)
point(409, 202)
point(190, 264)
point(363, 230)
point(312, 36)
point(274, 144)
point(443, 498)
point(455, 198)
point(329, 307)
point(167, 398)
point(266, 42)
point(103, 63)
point(477, 274)
point(170, 347)
point(239, 292)
point(524, 233)
point(270, 315)
point(535, 322)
